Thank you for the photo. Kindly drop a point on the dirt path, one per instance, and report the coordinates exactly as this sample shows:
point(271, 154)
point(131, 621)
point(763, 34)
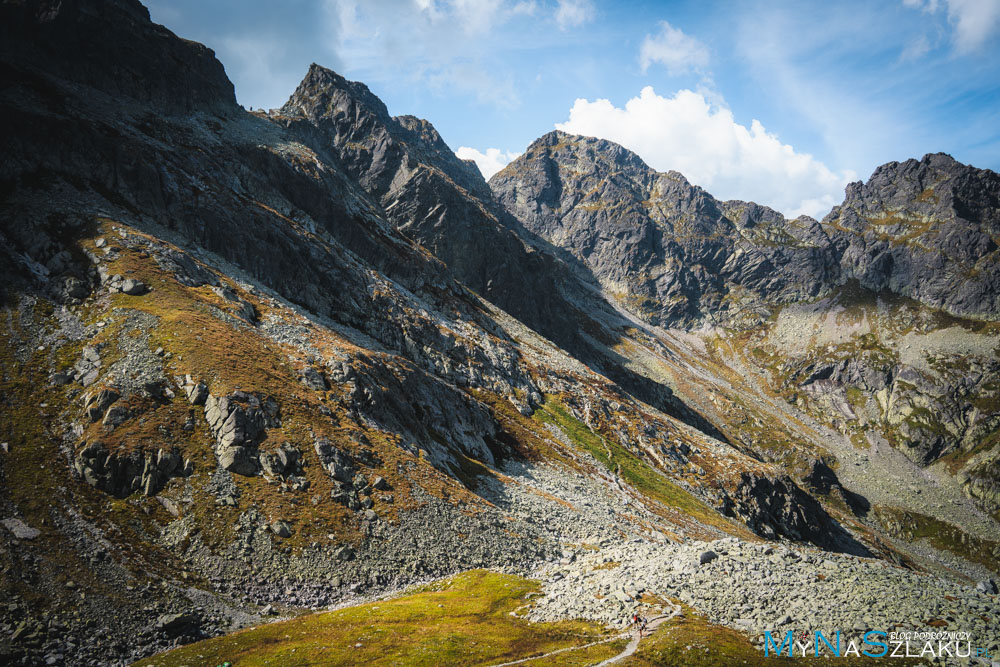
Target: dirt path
point(634, 644)
point(629, 650)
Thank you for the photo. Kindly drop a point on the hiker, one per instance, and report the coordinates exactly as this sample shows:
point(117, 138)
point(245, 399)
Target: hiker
point(642, 626)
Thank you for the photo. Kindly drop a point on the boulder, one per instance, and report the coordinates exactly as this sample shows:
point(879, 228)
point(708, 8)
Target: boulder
point(177, 623)
point(196, 392)
point(20, 529)
point(116, 416)
point(133, 287)
point(314, 380)
point(281, 528)
point(237, 459)
point(100, 402)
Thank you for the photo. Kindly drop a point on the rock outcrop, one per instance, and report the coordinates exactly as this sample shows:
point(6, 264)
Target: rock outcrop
point(925, 229)
point(121, 474)
point(240, 421)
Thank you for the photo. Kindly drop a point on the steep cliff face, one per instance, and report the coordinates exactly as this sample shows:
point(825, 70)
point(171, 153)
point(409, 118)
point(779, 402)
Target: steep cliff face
point(921, 229)
point(115, 49)
point(668, 250)
point(443, 204)
point(436, 199)
point(927, 230)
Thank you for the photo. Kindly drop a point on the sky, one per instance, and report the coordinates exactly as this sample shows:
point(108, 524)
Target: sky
point(781, 102)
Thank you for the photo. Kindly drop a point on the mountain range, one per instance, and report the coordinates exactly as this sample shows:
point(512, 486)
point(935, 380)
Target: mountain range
point(259, 363)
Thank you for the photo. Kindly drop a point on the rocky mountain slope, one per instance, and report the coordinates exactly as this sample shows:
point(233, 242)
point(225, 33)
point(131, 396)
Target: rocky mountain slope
point(257, 363)
point(896, 287)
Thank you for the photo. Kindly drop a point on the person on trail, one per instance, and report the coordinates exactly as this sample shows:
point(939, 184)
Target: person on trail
point(642, 626)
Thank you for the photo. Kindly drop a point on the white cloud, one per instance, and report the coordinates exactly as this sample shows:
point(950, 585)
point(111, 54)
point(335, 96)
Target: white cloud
point(674, 50)
point(702, 141)
point(974, 21)
point(490, 162)
point(573, 13)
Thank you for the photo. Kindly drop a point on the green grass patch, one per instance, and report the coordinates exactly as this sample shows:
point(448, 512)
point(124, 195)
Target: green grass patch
point(461, 621)
point(636, 472)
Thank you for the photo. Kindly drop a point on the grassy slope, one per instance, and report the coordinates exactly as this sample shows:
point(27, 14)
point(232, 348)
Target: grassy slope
point(639, 474)
point(913, 526)
point(464, 620)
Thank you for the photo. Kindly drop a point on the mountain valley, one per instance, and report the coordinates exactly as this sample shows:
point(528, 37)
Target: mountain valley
point(259, 364)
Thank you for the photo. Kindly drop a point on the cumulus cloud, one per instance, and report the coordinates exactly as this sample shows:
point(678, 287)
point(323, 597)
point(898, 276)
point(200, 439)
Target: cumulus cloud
point(688, 134)
point(573, 13)
point(974, 21)
point(677, 52)
point(490, 162)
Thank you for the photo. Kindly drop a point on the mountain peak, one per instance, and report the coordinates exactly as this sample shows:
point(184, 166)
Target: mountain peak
point(563, 145)
point(114, 47)
point(323, 91)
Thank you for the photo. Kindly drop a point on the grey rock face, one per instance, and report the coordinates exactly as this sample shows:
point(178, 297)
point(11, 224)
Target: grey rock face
point(672, 251)
point(239, 422)
point(430, 195)
point(123, 474)
point(927, 230)
point(118, 62)
point(443, 203)
point(779, 508)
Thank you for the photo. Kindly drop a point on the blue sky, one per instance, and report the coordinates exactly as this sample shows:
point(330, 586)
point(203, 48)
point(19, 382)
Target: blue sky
point(778, 102)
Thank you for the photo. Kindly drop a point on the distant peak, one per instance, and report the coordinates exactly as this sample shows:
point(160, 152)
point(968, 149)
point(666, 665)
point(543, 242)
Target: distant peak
point(597, 149)
point(316, 92)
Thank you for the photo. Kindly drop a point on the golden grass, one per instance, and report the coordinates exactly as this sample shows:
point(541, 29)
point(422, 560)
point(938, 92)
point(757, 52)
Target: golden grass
point(464, 620)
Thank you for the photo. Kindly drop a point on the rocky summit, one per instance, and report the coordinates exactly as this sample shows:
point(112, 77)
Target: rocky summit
point(259, 364)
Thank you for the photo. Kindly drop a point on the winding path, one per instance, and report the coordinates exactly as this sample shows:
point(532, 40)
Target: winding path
point(634, 644)
point(629, 649)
